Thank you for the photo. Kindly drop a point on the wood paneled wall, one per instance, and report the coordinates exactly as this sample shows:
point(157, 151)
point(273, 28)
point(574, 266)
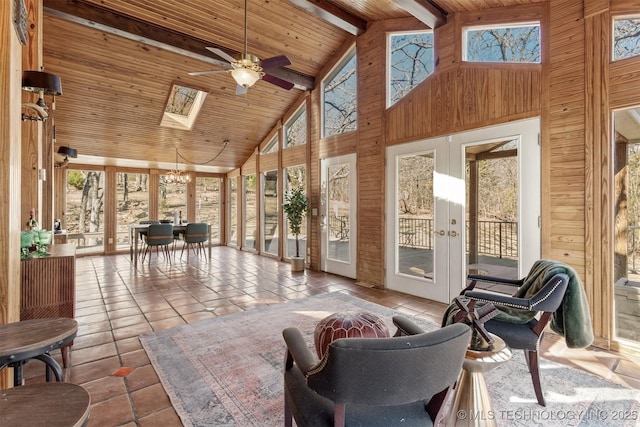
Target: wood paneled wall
point(10, 182)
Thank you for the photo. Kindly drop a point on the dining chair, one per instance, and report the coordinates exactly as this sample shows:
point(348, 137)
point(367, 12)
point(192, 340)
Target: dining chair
point(160, 236)
point(143, 233)
point(195, 234)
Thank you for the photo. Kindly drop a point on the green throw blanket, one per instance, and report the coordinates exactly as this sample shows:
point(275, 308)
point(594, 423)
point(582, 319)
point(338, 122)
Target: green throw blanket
point(571, 320)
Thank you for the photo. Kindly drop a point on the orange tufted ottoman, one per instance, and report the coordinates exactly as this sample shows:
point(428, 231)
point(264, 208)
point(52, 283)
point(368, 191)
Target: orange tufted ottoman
point(343, 325)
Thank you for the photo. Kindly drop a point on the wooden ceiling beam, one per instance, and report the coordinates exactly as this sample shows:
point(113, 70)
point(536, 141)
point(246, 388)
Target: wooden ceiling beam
point(333, 15)
point(150, 34)
point(426, 11)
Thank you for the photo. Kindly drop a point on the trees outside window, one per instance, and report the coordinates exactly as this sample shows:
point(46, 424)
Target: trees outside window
point(339, 106)
point(132, 203)
point(626, 38)
point(410, 61)
point(513, 43)
point(295, 130)
point(250, 212)
point(208, 204)
point(85, 210)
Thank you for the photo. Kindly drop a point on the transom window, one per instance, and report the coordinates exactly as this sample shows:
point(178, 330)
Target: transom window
point(295, 130)
point(410, 61)
point(626, 37)
point(515, 43)
point(339, 104)
point(272, 146)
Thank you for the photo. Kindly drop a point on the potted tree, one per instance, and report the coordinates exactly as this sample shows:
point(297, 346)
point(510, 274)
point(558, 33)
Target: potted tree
point(295, 207)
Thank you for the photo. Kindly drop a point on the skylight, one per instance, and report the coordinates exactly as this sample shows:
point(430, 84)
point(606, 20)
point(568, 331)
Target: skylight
point(183, 106)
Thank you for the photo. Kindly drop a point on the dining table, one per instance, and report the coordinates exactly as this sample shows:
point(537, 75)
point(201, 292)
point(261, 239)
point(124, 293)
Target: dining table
point(134, 238)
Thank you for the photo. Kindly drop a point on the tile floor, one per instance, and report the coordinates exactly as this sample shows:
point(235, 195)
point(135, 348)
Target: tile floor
point(116, 304)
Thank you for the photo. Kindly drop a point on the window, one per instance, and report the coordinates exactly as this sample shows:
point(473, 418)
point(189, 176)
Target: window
point(233, 211)
point(339, 98)
point(296, 177)
point(85, 210)
point(513, 43)
point(270, 212)
point(208, 204)
point(410, 62)
point(272, 146)
point(250, 212)
point(182, 108)
point(626, 37)
point(172, 198)
point(295, 130)
point(132, 203)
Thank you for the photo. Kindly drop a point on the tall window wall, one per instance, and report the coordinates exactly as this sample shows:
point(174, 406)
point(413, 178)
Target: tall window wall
point(208, 196)
point(85, 210)
point(132, 204)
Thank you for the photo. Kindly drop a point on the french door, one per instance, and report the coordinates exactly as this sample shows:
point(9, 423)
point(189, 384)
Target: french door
point(440, 213)
point(338, 231)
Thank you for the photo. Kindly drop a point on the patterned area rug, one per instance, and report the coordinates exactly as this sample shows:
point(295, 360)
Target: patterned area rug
point(227, 371)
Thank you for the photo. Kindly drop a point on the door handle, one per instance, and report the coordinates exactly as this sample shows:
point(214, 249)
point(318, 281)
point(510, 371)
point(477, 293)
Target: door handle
point(453, 233)
point(441, 232)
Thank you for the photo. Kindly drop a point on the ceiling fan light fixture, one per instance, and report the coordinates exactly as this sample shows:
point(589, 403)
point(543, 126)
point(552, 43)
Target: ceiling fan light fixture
point(245, 77)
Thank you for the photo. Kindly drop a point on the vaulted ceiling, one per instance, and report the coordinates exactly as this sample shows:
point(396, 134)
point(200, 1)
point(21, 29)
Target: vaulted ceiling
point(119, 58)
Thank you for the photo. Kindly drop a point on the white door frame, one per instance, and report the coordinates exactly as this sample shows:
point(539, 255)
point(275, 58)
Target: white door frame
point(340, 267)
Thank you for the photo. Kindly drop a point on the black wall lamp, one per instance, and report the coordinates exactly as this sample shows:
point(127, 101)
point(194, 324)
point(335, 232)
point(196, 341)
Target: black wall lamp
point(43, 84)
point(66, 152)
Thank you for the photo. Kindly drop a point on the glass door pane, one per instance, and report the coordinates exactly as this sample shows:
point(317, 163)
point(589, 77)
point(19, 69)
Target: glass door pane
point(626, 239)
point(492, 211)
point(85, 210)
point(415, 215)
point(339, 221)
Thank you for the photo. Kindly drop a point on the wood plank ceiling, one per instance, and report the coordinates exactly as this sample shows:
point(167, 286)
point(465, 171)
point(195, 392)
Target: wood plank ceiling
point(116, 79)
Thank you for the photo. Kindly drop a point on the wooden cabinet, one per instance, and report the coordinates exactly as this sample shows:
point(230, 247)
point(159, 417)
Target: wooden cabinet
point(48, 284)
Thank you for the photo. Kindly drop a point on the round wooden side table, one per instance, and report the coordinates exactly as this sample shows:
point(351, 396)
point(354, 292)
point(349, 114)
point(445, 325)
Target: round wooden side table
point(34, 339)
point(45, 404)
point(471, 404)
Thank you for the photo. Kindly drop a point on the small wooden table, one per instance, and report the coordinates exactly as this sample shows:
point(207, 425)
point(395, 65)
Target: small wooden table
point(34, 339)
point(471, 403)
point(47, 404)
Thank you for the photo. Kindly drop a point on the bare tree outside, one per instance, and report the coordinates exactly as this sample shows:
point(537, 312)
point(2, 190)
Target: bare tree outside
point(340, 100)
point(410, 62)
point(503, 44)
point(85, 208)
point(296, 129)
point(626, 38)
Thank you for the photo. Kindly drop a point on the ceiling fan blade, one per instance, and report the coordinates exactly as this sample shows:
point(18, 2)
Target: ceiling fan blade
point(277, 81)
point(275, 62)
point(241, 90)
point(222, 54)
point(204, 73)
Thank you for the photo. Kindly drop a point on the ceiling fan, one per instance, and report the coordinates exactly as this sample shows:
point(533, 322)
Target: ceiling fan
point(247, 69)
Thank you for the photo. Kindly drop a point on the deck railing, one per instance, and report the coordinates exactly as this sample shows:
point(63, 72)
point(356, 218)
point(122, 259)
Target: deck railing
point(496, 238)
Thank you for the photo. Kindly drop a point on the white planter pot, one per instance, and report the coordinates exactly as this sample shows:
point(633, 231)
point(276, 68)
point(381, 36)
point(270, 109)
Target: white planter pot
point(297, 264)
